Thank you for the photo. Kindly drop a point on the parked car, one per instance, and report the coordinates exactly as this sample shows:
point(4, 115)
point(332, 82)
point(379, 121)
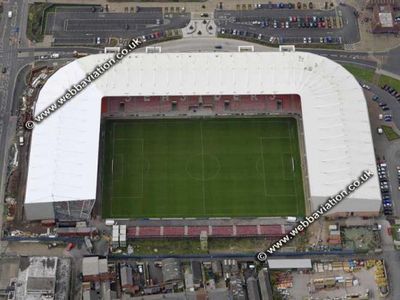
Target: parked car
point(70, 246)
point(387, 118)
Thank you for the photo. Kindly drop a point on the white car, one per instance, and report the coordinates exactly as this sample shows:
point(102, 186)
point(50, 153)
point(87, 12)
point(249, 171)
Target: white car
point(364, 86)
point(309, 40)
point(271, 39)
point(305, 40)
point(260, 36)
point(98, 40)
point(321, 40)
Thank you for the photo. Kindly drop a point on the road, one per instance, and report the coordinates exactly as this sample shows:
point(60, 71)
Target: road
point(10, 38)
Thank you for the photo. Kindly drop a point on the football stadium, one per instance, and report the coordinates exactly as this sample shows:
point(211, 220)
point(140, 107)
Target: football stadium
point(202, 135)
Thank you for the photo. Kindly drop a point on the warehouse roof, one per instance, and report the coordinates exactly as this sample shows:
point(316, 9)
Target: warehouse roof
point(283, 264)
point(63, 161)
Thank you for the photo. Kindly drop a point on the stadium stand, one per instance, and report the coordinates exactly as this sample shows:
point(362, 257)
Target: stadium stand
point(246, 230)
point(114, 106)
point(194, 231)
point(173, 231)
point(149, 231)
point(265, 231)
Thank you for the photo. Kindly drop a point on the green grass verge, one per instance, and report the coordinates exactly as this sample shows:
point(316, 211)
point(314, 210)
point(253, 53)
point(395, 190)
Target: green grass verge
point(165, 246)
point(360, 73)
point(390, 133)
point(36, 21)
point(394, 83)
point(202, 168)
point(192, 246)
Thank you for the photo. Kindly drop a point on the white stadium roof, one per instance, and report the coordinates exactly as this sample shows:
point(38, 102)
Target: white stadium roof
point(63, 162)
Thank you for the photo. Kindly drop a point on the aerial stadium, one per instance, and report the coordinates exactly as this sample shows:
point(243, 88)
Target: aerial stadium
point(201, 135)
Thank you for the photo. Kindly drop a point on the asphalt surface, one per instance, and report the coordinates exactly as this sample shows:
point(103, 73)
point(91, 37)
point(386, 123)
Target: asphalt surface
point(84, 27)
point(242, 20)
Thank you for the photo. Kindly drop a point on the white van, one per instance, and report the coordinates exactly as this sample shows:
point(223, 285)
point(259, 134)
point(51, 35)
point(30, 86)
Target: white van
point(10, 14)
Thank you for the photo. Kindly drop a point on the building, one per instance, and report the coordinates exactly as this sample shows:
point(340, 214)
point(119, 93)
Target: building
point(43, 278)
point(171, 270)
point(383, 19)
point(126, 277)
point(95, 269)
point(288, 264)
point(337, 134)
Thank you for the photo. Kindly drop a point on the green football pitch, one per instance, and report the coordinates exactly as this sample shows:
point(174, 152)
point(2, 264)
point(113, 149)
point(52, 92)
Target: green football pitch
point(202, 168)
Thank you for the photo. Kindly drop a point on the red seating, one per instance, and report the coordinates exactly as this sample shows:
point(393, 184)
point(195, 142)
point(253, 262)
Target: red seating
point(150, 231)
point(220, 104)
point(246, 230)
point(131, 232)
point(271, 230)
point(174, 231)
point(196, 230)
point(221, 231)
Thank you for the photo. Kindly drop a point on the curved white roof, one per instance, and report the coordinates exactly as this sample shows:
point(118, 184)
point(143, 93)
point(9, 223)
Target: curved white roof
point(64, 148)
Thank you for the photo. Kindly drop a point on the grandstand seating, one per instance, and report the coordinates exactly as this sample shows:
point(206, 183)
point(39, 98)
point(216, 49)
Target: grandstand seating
point(174, 231)
point(246, 230)
point(196, 230)
point(272, 230)
point(219, 104)
point(265, 231)
point(222, 231)
point(150, 231)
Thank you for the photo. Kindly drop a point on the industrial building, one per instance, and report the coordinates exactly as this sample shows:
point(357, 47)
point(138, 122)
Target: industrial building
point(62, 179)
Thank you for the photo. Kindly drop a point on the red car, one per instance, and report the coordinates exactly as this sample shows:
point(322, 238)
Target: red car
point(70, 246)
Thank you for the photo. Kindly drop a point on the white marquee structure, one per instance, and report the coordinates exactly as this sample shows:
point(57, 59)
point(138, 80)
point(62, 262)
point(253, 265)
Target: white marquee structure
point(63, 163)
